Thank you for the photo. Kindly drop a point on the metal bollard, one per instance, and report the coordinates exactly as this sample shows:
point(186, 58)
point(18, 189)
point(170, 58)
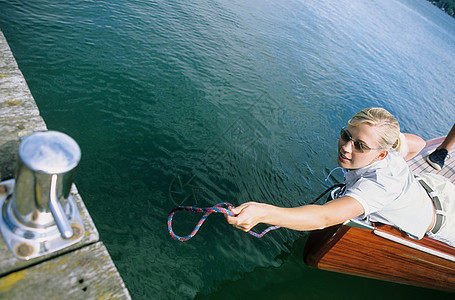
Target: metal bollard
point(39, 215)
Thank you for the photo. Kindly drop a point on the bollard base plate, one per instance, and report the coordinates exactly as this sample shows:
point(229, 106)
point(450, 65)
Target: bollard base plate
point(27, 242)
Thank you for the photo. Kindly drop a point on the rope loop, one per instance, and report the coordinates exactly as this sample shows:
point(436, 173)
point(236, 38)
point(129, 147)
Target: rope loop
point(222, 208)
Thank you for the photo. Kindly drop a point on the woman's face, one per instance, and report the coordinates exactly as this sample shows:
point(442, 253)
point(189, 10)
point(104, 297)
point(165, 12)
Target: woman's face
point(351, 158)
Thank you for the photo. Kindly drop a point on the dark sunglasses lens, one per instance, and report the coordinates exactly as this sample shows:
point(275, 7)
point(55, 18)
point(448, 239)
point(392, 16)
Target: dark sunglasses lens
point(357, 145)
point(344, 135)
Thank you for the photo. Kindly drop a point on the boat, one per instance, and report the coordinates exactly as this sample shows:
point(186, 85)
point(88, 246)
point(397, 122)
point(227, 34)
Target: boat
point(383, 252)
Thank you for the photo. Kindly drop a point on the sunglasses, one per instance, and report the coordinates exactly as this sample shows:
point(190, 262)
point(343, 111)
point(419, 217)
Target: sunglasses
point(358, 146)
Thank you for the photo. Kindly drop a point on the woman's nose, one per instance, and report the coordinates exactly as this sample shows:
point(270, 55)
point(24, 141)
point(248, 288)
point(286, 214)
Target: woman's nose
point(347, 146)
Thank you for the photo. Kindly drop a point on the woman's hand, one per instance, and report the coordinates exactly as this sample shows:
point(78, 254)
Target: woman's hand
point(247, 215)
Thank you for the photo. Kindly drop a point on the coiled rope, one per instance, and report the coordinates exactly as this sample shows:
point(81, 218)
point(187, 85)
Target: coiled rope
point(219, 208)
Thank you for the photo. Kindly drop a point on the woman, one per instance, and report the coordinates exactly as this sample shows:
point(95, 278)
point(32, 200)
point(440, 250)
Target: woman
point(379, 186)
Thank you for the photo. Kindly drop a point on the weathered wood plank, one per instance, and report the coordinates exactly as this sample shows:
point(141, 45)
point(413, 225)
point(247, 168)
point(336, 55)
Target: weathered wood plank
point(87, 273)
point(19, 114)
point(15, 97)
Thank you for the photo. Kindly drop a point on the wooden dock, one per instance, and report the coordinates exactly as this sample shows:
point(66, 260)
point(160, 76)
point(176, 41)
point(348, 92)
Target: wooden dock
point(84, 270)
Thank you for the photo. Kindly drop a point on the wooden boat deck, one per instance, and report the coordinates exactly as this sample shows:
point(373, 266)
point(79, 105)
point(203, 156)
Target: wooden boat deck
point(386, 253)
point(419, 165)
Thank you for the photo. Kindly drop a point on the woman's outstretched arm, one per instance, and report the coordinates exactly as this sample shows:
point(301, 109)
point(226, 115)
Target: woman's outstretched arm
point(307, 217)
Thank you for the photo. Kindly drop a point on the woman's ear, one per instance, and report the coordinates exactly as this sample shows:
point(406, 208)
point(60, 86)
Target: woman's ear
point(383, 154)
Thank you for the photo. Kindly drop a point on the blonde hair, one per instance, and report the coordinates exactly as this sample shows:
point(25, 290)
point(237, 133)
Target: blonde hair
point(386, 125)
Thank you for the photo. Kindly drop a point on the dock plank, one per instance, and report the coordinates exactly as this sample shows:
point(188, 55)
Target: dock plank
point(19, 114)
point(87, 273)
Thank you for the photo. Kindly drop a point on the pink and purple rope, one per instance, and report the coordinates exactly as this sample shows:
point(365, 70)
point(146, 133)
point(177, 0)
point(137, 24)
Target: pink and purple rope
point(219, 208)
